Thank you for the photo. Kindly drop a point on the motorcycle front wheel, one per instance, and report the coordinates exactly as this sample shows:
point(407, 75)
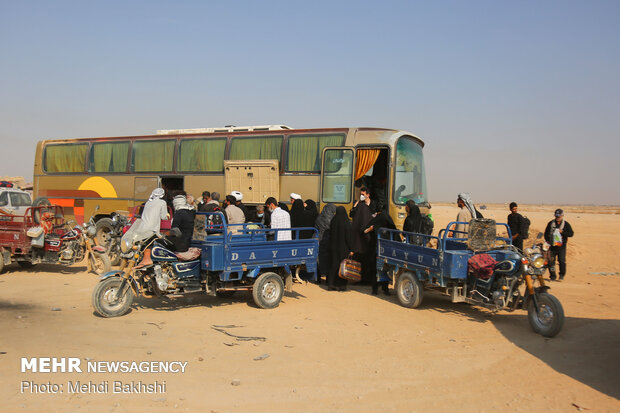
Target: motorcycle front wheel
point(100, 262)
point(550, 317)
point(105, 300)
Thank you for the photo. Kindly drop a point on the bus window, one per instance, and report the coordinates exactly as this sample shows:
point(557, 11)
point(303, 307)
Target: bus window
point(65, 158)
point(304, 151)
point(108, 157)
point(152, 156)
point(409, 175)
point(337, 176)
point(201, 155)
point(259, 147)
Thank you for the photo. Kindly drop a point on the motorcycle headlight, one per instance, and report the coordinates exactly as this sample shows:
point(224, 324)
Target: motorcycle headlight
point(537, 261)
point(125, 245)
point(91, 231)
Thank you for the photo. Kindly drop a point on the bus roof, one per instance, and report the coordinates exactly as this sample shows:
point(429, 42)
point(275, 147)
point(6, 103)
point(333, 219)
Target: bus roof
point(239, 131)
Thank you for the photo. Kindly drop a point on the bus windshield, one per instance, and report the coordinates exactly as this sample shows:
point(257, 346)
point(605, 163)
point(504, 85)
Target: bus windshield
point(409, 174)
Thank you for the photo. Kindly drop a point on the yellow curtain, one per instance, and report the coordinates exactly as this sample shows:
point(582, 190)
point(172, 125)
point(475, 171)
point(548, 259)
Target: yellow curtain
point(366, 158)
point(102, 155)
point(109, 157)
point(304, 152)
point(202, 155)
point(153, 156)
point(65, 158)
point(256, 148)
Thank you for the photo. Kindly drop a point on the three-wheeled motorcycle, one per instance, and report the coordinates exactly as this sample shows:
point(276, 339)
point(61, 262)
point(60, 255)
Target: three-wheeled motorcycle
point(41, 235)
point(511, 279)
point(222, 260)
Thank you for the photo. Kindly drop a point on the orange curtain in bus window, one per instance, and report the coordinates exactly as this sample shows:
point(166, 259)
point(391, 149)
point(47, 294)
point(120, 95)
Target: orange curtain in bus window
point(366, 158)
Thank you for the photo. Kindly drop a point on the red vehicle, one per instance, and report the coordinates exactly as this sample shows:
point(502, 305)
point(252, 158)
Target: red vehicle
point(41, 235)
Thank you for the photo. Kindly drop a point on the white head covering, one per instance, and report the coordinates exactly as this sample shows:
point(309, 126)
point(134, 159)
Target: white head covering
point(295, 196)
point(180, 202)
point(466, 198)
point(157, 193)
point(238, 195)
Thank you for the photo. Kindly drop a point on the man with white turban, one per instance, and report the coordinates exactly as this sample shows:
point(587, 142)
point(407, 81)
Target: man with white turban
point(294, 196)
point(466, 213)
point(154, 211)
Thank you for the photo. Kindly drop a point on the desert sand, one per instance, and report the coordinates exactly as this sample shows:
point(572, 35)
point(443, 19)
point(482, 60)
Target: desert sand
point(329, 351)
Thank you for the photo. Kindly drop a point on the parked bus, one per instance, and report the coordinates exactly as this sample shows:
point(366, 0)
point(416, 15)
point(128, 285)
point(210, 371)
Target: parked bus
point(329, 165)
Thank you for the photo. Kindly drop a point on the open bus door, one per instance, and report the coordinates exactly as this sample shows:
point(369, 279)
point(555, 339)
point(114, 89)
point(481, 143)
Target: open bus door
point(337, 176)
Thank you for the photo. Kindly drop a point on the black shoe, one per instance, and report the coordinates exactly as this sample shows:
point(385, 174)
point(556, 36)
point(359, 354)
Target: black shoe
point(374, 291)
point(387, 292)
point(561, 277)
point(552, 277)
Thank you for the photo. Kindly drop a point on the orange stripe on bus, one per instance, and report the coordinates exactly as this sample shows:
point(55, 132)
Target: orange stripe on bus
point(63, 202)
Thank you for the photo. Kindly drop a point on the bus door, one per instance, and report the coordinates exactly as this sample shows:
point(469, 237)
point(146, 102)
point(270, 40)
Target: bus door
point(337, 175)
point(372, 171)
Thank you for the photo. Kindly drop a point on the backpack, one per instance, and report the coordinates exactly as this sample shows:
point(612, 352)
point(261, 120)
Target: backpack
point(525, 228)
point(426, 225)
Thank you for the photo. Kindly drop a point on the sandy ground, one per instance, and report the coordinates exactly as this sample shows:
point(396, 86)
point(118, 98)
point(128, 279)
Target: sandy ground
point(329, 351)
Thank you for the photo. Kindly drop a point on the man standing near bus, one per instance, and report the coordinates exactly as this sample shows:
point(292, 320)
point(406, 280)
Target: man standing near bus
point(234, 214)
point(279, 219)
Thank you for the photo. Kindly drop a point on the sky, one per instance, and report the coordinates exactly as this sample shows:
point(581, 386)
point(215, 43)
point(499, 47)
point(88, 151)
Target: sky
point(515, 101)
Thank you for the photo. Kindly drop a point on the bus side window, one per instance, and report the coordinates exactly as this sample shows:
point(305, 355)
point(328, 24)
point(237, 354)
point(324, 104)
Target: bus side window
point(337, 176)
point(249, 148)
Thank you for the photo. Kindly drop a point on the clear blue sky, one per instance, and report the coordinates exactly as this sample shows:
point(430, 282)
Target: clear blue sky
point(515, 100)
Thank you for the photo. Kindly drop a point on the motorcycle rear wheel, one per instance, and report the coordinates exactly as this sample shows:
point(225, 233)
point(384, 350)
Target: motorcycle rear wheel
point(268, 290)
point(104, 300)
point(550, 317)
point(105, 228)
point(409, 290)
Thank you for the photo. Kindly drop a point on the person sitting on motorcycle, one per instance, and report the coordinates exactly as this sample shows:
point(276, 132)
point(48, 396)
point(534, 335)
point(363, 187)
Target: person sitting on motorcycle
point(154, 211)
point(183, 219)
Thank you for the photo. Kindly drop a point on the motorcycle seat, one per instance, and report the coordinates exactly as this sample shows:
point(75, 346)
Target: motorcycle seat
point(189, 255)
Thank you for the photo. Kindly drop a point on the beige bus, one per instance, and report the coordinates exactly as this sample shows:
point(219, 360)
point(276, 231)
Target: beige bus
point(327, 165)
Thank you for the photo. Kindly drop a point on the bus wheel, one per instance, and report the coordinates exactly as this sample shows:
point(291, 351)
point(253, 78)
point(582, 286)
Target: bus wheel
point(268, 290)
point(409, 290)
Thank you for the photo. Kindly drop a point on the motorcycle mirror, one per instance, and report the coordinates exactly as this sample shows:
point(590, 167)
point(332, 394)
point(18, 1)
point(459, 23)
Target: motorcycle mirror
point(539, 236)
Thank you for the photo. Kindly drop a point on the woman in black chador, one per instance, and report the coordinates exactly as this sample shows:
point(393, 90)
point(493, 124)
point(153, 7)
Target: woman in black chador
point(322, 223)
point(414, 217)
point(340, 247)
point(361, 243)
point(299, 218)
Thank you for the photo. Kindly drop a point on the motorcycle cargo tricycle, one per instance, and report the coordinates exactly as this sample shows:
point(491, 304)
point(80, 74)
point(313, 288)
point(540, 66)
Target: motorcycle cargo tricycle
point(476, 267)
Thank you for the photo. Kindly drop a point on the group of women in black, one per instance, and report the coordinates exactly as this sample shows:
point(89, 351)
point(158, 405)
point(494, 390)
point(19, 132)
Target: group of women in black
point(340, 237)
